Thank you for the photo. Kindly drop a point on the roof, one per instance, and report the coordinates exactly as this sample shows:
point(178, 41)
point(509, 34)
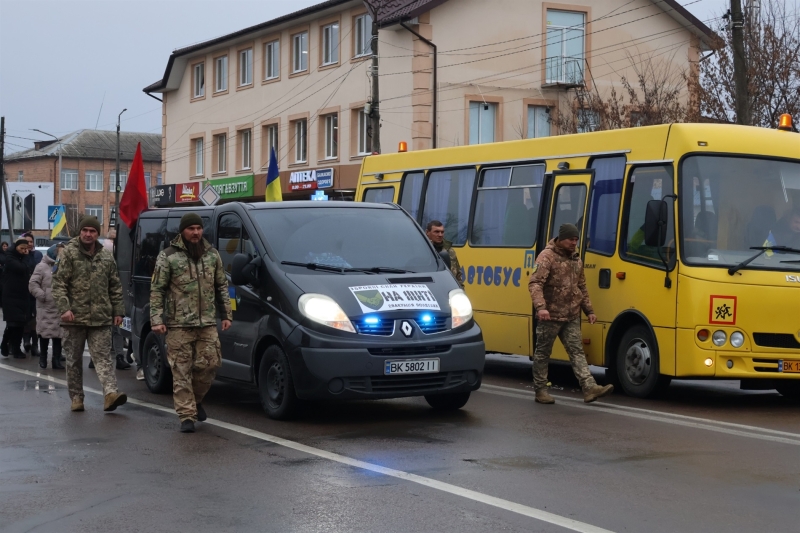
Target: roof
point(96, 144)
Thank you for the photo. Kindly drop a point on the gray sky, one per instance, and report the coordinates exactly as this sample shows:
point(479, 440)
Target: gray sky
point(59, 58)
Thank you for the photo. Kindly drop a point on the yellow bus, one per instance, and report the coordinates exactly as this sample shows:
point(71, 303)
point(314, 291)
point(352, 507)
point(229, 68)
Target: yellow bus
point(690, 237)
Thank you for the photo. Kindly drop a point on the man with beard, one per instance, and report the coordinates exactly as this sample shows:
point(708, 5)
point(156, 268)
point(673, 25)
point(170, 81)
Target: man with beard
point(187, 292)
point(88, 294)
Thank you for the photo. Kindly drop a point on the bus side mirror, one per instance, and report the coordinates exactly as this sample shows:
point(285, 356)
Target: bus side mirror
point(655, 223)
point(445, 255)
point(244, 269)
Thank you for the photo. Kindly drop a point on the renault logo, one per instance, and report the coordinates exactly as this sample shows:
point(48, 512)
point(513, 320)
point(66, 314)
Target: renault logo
point(406, 328)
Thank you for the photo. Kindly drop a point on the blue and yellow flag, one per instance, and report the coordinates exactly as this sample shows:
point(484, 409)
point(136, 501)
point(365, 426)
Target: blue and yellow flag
point(770, 242)
point(60, 222)
point(273, 192)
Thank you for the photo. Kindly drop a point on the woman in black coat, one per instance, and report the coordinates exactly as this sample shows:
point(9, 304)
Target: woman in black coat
point(17, 309)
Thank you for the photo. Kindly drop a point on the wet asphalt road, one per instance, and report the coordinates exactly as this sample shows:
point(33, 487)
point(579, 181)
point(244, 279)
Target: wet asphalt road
point(704, 456)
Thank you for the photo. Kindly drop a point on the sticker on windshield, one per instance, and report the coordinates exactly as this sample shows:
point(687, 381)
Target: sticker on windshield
point(722, 310)
point(712, 257)
point(373, 298)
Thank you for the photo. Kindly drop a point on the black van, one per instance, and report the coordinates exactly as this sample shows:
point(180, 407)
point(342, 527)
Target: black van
point(330, 300)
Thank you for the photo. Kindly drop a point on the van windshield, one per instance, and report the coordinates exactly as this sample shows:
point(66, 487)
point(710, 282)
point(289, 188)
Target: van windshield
point(355, 238)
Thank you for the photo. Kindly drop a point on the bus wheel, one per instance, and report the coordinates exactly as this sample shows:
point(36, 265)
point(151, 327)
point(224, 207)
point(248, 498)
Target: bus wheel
point(447, 402)
point(637, 363)
point(275, 385)
point(790, 390)
point(157, 374)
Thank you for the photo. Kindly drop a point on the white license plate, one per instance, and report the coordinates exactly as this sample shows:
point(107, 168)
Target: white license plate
point(419, 366)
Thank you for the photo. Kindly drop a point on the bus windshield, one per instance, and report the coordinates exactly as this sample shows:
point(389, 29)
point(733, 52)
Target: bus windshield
point(732, 204)
point(347, 238)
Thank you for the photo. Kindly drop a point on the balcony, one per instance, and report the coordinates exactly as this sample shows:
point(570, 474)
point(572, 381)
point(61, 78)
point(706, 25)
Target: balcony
point(564, 71)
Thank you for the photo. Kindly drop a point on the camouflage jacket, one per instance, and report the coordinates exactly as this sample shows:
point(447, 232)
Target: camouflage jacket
point(455, 267)
point(188, 294)
point(559, 285)
point(88, 285)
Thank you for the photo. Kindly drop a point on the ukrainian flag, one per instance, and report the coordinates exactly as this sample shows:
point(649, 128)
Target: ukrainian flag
point(769, 243)
point(232, 296)
point(273, 192)
point(60, 222)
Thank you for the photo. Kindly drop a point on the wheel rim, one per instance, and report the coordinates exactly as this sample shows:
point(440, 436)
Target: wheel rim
point(638, 361)
point(275, 384)
point(154, 364)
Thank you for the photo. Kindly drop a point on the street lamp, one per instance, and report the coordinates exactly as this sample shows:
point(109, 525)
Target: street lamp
point(59, 160)
point(116, 198)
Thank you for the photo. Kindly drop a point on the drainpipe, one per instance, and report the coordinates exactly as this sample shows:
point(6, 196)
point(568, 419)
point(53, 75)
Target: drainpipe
point(435, 87)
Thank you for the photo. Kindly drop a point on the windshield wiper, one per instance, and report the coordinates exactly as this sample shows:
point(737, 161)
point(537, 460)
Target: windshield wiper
point(392, 270)
point(326, 268)
point(761, 249)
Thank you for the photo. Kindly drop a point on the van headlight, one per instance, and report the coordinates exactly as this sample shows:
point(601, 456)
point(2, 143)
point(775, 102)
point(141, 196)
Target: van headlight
point(460, 308)
point(324, 310)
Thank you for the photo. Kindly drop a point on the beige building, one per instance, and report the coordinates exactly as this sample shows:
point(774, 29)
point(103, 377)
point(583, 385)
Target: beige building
point(301, 83)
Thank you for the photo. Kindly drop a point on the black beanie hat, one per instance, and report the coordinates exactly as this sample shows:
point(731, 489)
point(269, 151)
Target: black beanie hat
point(90, 221)
point(567, 231)
point(20, 240)
point(190, 219)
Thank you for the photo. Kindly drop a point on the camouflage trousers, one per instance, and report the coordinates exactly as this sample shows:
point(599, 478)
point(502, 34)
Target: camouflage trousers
point(99, 338)
point(194, 356)
point(571, 338)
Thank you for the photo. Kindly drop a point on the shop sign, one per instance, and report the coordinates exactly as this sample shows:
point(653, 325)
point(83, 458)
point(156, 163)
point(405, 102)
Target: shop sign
point(324, 178)
point(309, 180)
point(237, 187)
point(162, 195)
point(187, 192)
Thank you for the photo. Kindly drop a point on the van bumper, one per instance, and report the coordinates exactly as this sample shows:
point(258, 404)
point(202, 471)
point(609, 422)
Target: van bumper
point(327, 367)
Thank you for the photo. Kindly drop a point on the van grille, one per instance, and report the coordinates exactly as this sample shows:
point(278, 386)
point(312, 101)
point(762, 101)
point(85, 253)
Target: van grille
point(409, 350)
point(437, 325)
point(383, 326)
point(405, 384)
point(776, 340)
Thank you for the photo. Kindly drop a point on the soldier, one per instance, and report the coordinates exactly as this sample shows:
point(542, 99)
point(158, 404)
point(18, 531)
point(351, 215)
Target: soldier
point(88, 294)
point(435, 232)
point(558, 290)
point(188, 289)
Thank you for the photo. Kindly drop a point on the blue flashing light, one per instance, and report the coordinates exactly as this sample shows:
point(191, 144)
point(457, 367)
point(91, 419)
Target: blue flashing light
point(372, 320)
point(426, 318)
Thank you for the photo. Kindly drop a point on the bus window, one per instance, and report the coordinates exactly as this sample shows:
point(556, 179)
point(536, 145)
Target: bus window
point(411, 193)
point(507, 206)
point(604, 206)
point(447, 199)
point(645, 184)
point(379, 195)
point(569, 207)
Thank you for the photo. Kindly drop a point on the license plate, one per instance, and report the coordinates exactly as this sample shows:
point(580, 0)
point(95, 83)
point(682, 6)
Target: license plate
point(792, 367)
point(419, 366)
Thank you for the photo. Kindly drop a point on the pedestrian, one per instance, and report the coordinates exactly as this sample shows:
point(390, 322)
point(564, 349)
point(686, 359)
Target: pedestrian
point(30, 340)
point(48, 319)
point(558, 289)
point(88, 294)
point(188, 291)
point(435, 232)
point(17, 309)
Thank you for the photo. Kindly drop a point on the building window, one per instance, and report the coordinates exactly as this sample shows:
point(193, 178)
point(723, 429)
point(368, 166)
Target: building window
point(331, 125)
point(94, 180)
point(123, 179)
point(482, 119)
point(565, 48)
point(199, 82)
point(272, 60)
point(69, 180)
point(300, 141)
point(198, 156)
point(538, 121)
point(245, 149)
point(21, 175)
point(364, 138)
point(159, 179)
point(363, 35)
point(221, 152)
point(270, 135)
point(245, 67)
point(300, 52)
point(588, 120)
point(221, 74)
point(95, 210)
point(147, 178)
point(330, 44)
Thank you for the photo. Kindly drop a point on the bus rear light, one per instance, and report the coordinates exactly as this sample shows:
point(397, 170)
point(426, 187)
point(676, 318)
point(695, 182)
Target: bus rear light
point(702, 335)
point(785, 123)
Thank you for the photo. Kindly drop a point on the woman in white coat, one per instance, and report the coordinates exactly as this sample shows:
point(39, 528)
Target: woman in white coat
point(48, 319)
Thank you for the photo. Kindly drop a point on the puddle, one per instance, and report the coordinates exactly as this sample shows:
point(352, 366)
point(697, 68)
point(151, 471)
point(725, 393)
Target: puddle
point(40, 385)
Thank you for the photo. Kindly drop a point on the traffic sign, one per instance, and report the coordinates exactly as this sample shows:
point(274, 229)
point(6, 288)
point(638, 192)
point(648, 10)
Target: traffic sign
point(209, 196)
point(52, 213)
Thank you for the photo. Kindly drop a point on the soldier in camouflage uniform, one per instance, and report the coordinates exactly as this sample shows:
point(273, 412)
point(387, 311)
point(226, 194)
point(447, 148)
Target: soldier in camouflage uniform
point(187, 292)
point(88, 294)
point(558, 289)
point(435, 232)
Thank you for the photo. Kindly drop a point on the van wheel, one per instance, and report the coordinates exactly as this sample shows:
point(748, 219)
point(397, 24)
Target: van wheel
point(637, 363)
point(790, 391)
point(447, 402)
point(275, 385)
point(157, 374)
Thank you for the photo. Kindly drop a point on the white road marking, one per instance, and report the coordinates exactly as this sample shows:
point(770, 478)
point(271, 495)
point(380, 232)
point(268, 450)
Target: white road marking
point(524, 510)
point(740, 430)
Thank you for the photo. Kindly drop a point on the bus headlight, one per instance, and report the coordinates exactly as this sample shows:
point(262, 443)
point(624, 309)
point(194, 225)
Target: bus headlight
point(324, 310)
point(719, 338)
point(460, 308)
point(737, 339)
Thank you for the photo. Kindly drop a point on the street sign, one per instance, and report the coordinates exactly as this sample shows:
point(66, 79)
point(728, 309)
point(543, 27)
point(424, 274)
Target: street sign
point(52, 213)
point(209, 196)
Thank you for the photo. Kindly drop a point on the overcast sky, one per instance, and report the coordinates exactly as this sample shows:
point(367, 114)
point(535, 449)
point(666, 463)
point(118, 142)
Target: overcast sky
point(59, 60)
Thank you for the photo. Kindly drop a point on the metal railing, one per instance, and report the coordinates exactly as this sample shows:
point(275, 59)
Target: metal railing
point(564, 70)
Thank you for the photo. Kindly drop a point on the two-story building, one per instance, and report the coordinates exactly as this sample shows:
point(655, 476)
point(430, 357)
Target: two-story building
point(452, 72)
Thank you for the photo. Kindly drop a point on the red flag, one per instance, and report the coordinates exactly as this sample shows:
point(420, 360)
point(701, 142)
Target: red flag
point(134, 199)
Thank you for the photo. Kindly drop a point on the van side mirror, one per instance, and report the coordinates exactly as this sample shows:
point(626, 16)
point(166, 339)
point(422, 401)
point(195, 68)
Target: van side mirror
point(244, 269)
point(445, 255)
point(655, 223)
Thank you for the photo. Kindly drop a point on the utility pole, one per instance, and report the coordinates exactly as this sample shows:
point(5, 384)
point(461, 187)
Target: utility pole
point(739, 63)
point(116, 177)
point(3, 178)
point(375, 114)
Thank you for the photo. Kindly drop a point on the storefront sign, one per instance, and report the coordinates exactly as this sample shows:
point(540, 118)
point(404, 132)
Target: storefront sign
point(309, 180)
point(187, 192)
point(324, 178)
point(237, 187)
point(162, 195)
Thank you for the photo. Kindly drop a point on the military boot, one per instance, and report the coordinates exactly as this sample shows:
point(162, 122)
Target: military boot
point(114, 400)
point(121, 363)
point(187, 426)
point(77, 404)
point(201, 413)
point(595, 392)
point(542, 396)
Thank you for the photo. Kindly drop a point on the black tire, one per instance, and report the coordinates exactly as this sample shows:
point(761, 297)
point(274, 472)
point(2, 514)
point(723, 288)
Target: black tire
point(157, 373)
point(637, 363)
point(790, 391)
point(275, 385)
point(448, 402)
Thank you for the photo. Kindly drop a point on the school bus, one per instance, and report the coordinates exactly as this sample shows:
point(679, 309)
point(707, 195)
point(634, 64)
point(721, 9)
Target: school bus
point(690, 237)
